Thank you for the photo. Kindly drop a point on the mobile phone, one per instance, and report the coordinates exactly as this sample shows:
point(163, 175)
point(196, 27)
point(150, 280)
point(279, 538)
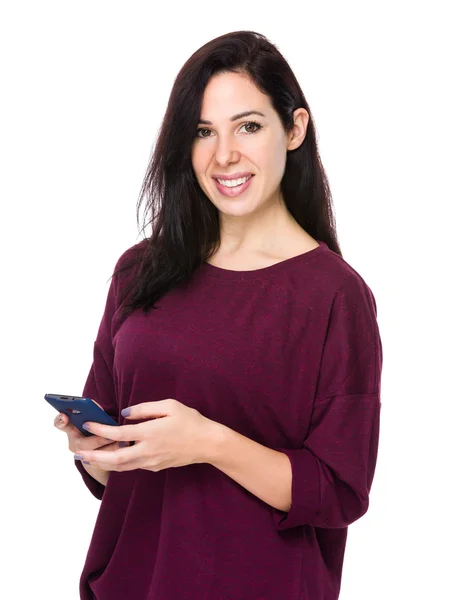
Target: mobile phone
point(79, 410)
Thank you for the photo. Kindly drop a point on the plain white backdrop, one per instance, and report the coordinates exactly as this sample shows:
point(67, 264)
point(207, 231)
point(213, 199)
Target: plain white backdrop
point(84, 86)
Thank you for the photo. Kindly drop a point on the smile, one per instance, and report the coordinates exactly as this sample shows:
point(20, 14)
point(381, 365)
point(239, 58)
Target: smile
point(234, 190)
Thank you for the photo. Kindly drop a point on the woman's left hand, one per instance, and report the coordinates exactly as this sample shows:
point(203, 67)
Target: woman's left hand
point(174, 435)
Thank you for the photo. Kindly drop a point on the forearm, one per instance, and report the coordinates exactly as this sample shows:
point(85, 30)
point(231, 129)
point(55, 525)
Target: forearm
point(264, 472)
point(97, 474)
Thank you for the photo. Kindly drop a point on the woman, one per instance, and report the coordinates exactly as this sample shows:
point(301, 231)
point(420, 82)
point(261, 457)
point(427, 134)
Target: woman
point(251, 390)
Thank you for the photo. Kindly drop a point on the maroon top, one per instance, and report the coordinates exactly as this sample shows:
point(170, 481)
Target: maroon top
point(288, 355)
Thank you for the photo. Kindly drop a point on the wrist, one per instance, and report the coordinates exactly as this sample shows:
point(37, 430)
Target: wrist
point(99, 475)
point(215, 434)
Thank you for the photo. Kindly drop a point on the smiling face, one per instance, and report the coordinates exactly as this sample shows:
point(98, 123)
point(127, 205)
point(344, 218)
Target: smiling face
point(252, 144)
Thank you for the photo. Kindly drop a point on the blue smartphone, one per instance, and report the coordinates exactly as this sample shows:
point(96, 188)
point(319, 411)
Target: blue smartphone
point(79, 410)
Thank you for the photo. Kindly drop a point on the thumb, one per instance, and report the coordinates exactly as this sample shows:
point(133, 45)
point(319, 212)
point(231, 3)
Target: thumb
point(61, 421)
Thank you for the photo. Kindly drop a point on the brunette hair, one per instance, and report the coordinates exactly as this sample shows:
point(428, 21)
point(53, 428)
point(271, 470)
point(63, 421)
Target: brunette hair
point(185, 223)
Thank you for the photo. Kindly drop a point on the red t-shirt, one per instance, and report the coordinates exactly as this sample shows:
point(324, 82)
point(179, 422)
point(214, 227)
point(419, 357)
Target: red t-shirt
point(288, 355)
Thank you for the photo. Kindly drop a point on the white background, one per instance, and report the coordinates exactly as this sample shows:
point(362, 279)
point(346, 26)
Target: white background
point(84, 86)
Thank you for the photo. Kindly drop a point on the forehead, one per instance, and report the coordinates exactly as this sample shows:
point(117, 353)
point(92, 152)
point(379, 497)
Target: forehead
point(227, 94)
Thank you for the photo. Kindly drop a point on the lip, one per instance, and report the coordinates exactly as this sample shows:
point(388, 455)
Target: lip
point(233, 191)
point(232, 176)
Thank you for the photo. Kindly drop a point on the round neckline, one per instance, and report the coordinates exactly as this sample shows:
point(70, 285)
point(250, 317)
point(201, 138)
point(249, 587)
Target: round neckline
point(215, 271)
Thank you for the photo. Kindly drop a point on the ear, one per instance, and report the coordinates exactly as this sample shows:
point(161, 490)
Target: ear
point(297, 136)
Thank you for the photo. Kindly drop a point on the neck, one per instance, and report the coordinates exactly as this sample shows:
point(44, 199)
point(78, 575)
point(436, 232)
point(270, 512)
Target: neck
point(258, 233)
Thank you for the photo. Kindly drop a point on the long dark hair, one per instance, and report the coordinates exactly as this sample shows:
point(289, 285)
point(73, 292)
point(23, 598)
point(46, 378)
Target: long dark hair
point(185, 223)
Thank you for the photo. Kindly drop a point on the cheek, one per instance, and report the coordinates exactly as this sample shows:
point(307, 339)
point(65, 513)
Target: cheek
point(278, 160)
point(199, 162)
point(270, 162)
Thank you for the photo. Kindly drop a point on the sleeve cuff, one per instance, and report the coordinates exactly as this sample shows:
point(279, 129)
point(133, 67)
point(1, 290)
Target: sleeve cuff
point(305, 495)
point(97, 489)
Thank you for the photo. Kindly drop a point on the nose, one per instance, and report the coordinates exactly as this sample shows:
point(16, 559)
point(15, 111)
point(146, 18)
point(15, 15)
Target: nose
point(226, 151)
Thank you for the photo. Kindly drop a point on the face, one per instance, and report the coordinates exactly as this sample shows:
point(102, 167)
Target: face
point(251, 144)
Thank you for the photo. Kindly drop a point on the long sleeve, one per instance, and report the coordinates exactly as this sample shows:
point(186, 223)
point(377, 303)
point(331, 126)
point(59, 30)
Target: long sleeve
point(333, 471)
point(100, 381)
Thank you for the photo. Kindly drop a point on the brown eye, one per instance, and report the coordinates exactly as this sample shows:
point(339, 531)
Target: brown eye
point(251, 124)
point(201, 129)
point(248, 124)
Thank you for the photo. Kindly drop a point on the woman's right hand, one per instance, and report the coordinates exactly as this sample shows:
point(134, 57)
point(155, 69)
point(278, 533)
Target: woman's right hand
point(78, 442)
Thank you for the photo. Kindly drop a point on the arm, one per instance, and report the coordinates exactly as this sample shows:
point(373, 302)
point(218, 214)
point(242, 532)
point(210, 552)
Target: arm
point(99, 383)
point(264, 472)
point(98, 474)
point(326, 482)
point(99, 386)
point(317, 495)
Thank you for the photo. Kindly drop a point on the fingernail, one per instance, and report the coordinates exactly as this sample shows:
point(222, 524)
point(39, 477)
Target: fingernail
point(78, 457)
point(125, 412)
point(122, 444)
point(86, 462)
point(108, 440)
point(86, 427)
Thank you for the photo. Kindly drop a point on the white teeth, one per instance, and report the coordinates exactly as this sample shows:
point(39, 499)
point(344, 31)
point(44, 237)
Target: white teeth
point(233, 182)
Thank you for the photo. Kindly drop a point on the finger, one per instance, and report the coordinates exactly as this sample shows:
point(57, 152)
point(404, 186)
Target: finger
point(80, 443)
point(124, 459)
point(150, 410)
point(119, 433)
point(112, 446)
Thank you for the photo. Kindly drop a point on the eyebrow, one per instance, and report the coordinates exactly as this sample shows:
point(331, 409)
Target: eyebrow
point(247, 113)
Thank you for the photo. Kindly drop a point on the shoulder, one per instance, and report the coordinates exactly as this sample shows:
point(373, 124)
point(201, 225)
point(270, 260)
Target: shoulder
point(352, 351)
point(126, 268)
point(345, 283)
point(132, 254)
